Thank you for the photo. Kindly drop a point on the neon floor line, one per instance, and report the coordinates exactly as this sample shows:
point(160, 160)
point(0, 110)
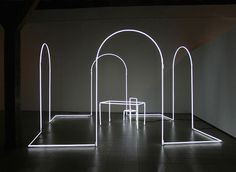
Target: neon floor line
point(162, 69)
point(213, 139)
point(91, 78)
point(31, 145)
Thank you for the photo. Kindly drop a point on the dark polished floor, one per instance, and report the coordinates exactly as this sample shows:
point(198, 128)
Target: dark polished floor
point(121, 147)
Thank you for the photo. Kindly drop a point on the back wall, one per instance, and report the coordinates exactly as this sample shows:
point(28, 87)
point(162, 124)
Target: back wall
point(75, 35)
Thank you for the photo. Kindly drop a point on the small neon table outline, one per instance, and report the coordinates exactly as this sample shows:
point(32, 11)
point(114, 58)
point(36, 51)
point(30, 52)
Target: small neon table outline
point(124, 103)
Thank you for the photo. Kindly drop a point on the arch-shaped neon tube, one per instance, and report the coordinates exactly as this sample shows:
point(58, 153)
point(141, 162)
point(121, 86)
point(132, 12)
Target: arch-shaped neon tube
point(91, 78)
point(213, 139)
point(31, 145)
point(173, 82)
point(162, 72)
point(40, 84)
point(40, 90)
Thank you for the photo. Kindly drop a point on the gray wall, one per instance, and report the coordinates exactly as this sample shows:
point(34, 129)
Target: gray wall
point(74, 36)
point(73, 48)
point(215, 95)
point(1, 87)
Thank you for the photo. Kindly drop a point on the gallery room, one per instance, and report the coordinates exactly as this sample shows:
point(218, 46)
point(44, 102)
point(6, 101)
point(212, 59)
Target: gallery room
point(112, 85)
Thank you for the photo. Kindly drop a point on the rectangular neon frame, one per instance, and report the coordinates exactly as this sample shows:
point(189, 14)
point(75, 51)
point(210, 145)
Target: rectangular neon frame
point(31, 145)
point(126, 103)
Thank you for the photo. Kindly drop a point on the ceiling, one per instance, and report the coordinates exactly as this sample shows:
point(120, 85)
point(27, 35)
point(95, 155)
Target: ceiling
point(49, 4)
point(65, 4)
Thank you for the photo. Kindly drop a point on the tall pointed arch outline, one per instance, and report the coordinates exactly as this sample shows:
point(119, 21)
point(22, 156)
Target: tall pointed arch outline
point(213, 139)
point(31, 145)
point(91, 78)
point(49, 83)
point(162, 73)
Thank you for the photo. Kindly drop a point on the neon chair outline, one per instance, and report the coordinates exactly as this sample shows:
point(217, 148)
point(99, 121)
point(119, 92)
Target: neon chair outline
point(91, 78)
point(162, 71)
point(31, 145)
point(214, 139)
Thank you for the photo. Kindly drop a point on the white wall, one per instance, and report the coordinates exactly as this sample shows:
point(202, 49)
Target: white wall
point(74, 36)
point(215, 68)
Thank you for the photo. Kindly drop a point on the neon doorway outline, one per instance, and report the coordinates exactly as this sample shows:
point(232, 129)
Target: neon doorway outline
point(214, 139)
point(31, 145)
point(91, 78)
point(162, 71)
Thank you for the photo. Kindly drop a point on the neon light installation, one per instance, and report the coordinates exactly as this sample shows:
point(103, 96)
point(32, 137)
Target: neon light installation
point(162, 71)
point(91, 78)
point(213, 139)
point(115, 102)
point(131, 102)
point(31, 145)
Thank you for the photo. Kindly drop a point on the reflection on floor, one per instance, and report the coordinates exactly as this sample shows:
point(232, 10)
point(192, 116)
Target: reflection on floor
point(121, 147)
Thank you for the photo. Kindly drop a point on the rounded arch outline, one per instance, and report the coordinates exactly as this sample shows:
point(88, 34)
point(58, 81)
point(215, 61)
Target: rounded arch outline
point(31, 145)
point(212, 138)
point(40, 92)
point(162, 73)
point(173, 82)
point(40, 84)
point(91, 78)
